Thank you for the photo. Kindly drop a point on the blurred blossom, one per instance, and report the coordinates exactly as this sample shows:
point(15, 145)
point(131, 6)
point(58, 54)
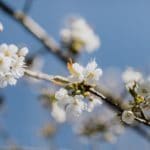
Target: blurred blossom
point(58, 113)
point(100, 125)
point(48, 100)
point(143, 88)
point(35, 64)
point(130, 76)
point(48, 130)
point(74, 106)
point(47, 97)
point(79, 35)
point(93, 103)
point(12, 64)
point(1, 27)
point(111, 81)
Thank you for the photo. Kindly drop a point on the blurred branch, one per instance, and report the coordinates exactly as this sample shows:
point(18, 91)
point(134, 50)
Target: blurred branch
point(36, 30)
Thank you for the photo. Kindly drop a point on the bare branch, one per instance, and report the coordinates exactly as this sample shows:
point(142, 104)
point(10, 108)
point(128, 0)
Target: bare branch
point(114, 104)
point(50, 78)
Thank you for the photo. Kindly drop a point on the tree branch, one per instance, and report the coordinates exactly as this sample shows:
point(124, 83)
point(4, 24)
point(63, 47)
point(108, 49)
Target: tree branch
point(116, 105)
point(59, 80)
point(36, 30)
point(64, 81)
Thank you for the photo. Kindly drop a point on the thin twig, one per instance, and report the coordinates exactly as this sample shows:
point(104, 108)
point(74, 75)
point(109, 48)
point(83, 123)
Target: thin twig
point(141, 120)
point(113, 105)
point(50, 78)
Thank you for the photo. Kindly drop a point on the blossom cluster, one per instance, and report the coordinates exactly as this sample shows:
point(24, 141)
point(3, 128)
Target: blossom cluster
point(139, 88)
point(73, 100)
point(130, 76)
point(143, 90)
point(72, 106)
point(101, 124)
point(12, 63)
point(89, 75)
point(78, 35)
point(135, 81)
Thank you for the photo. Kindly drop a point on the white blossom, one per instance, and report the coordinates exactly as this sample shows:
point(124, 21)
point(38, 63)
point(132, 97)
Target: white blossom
point(74, 105)
point(94, 102)
point(79, 31)
point(66, 36)
point(6, 79)
point(11, 64)
point(23, 51)
point(110, 137)
point(35, 64)
point(76, 71)
point(1, 27)
point(5, 63)
point(62, 97)
point(130, 76)
point(8, 50)
point(58, 113)
point(90, 74)
point(18, 67)
point(98, 124)
point(128, 117)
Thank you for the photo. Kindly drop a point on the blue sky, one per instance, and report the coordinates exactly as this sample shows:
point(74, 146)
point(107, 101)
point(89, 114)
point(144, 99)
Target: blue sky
point(124, 29)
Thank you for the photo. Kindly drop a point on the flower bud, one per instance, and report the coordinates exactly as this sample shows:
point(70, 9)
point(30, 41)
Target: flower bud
point(23, 51)
point(128, 117)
